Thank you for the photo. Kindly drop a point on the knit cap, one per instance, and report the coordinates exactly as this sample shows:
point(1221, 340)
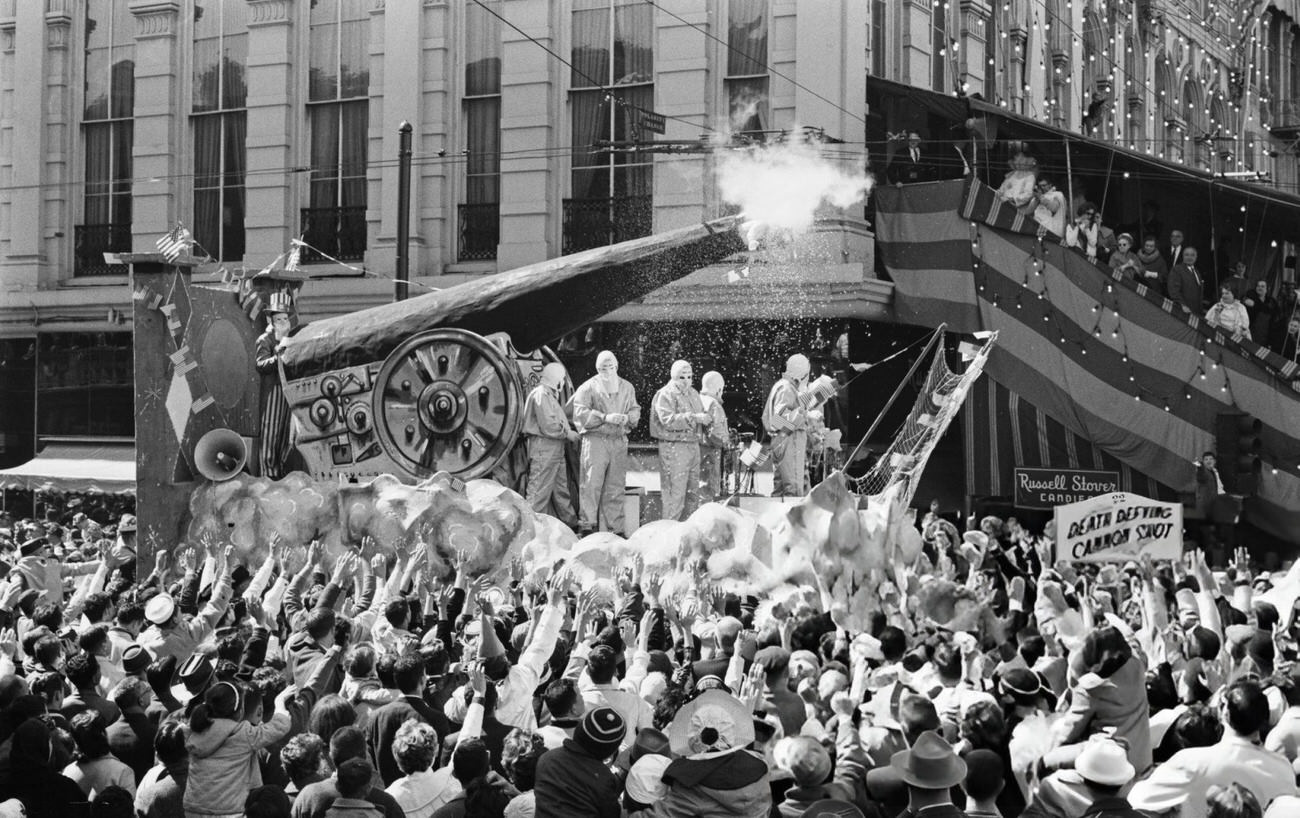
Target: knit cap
point(600, 732)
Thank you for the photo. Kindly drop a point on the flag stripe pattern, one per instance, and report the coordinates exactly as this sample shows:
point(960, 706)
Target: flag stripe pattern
point(1125, 371)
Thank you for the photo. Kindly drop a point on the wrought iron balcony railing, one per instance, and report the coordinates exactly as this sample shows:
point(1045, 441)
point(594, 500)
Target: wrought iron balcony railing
point(479, 232)
point(339, 232)
point(592, 223)
point(92, 241)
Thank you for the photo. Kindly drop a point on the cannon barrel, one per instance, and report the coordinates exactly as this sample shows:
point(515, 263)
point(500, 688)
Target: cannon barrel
point(535, 304)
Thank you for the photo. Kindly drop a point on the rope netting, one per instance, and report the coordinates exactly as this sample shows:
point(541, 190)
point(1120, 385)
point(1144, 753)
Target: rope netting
point(900, 466)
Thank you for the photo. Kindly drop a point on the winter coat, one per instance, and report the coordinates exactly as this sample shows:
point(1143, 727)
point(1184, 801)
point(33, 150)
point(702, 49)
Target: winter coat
point(223, 763)
point(1118, 701)
point(732, 784)
point(572, 783)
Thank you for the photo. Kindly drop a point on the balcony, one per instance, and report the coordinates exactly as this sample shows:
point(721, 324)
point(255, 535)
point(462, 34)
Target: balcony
point(479, 232)
point(1283, 118)
point(592, 223)
point(339, 232)
point(92, 241)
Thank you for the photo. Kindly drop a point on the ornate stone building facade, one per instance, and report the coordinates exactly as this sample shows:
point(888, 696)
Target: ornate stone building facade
point(1212, 84)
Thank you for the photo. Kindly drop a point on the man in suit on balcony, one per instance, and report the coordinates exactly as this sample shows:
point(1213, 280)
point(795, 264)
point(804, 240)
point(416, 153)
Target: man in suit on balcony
point(912, 166)
point(1186, 286)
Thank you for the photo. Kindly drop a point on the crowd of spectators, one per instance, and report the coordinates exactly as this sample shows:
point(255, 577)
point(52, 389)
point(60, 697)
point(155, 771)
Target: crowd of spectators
point(991, 682)
point(1244, 304)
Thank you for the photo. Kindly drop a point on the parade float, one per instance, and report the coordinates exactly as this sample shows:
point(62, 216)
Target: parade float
point(405, 422)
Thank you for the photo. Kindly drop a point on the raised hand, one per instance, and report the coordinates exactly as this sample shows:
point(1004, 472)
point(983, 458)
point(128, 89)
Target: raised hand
point(477, 678)
point(257, 613)
point(753, 687)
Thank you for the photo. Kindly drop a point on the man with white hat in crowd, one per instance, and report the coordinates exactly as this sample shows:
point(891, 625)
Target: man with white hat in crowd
point(785, 417)
point(716, 437)
point(604, 410)
point(1102, 772)
point(677, 421)
point(547, 430)
point(171, 632)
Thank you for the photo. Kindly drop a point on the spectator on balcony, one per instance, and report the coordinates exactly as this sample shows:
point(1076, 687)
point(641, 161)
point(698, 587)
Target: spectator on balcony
point(1124, 259)
point(1154, 271)
point(1286, 328)
point(1263, 312)
point(1106, 241)
point(1018, 185)
point(1229, 313)
point(1241, 287)
point(1174, 252)
point(1050, 207)
point(1082, 234)
point(912, 167)
point(1186, 286)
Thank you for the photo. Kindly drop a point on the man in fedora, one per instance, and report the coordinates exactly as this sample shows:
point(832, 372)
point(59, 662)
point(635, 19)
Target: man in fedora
point(930, 769)
point(1102, 772)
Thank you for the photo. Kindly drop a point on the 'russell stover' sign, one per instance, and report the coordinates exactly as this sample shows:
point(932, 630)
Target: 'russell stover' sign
point(1048, 488)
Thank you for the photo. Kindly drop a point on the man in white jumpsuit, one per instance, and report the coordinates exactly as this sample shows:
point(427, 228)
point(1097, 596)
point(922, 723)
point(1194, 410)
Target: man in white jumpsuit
point(717, 438)
point(677, 421)
point(547, 430)
point(785, 417)
point(604, 410)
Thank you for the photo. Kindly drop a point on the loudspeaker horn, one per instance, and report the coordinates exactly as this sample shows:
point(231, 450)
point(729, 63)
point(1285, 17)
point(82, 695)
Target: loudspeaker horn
point(220, 455)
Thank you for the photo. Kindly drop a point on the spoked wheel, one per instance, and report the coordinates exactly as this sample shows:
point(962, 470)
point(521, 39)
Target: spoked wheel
point(448, 400)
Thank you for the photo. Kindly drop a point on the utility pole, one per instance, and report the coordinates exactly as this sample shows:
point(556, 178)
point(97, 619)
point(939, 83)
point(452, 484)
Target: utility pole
point(402, 275)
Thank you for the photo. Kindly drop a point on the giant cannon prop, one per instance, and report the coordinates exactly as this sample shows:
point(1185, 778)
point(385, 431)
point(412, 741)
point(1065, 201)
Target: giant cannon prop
point(432, 383)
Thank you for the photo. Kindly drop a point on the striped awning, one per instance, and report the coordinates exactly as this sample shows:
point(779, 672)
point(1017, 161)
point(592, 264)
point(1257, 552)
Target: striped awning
point(1003, 432)
point(1109, 364)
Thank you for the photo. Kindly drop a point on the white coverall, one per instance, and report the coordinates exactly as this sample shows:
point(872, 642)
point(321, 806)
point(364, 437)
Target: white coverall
point(673, 424)
point(604, 451)
point(786, 420)
point(712, 448)
point(547, 428)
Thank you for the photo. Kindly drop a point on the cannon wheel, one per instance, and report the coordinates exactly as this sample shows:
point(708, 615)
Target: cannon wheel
point(448, 400)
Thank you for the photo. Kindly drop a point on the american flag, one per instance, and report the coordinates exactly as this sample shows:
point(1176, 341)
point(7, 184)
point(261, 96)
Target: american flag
point(176, 240)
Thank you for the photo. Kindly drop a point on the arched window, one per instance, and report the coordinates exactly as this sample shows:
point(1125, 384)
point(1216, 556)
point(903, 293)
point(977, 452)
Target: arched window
point(1164, 119)
point(1193, 110)
point(1134, 83)
point(1094, 68)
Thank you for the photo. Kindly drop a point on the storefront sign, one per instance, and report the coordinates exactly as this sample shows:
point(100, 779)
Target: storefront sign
point(1119, 527)
point(1049, 488)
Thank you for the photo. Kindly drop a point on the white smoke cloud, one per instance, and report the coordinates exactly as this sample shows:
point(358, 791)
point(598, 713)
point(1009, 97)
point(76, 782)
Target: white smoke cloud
point(781, 186)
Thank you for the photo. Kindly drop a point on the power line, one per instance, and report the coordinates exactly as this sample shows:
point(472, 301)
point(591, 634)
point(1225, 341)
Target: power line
point(766, 67)
point(609, 92)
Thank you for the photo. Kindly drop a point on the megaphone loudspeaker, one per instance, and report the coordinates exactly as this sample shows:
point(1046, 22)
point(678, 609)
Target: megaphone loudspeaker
point(220, 455)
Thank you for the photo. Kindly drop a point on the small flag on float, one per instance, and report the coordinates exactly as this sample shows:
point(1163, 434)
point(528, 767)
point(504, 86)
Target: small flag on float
point(186, 367)
point(178, 357)
point(178, 239)
point(200, 403)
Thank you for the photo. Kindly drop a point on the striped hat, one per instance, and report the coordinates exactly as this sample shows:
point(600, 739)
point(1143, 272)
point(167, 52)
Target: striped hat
point(600, 732)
